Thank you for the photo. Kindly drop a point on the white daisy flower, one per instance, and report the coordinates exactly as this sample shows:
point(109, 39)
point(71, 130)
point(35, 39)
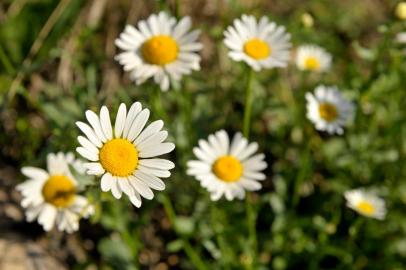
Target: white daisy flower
point(51, 196)
point(161, 48)
point(366, 203)
point(260, 44)
point(225, 169)
point(328, 109)
point(124, 156)
point(314, 58)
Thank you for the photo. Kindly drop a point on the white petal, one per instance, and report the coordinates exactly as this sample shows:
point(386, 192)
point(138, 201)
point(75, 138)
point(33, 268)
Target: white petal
point(106, 182)
point(254, 175)
point(182, 27)
point(157, 150)
point(88, 131)
point(94, 121)
point(153, 140)
point(132, 113)
point(151, 129)
point(153, 24)
point(248, 151)
point(34, 173)
point(151, 180)
point(115, 189)
point(52, 163)
point(106, 123)
point(202, 155)
point(47, 217)
point(141, 187)
point(87, 154)
point(164, 83)
point(156, 172)
point(162, 164)
point(94, 168)
point(138, 124)
point(33, 212)
point(88, 145)
point(191, 47)
point(126, 187)
point(250, 185)
point(207, 150)
point(136, 200)
point(238, 147)
point(120, 120)
point(142, 25)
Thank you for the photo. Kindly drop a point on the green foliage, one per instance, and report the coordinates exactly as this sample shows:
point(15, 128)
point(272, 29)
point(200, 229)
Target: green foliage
point(300, 218)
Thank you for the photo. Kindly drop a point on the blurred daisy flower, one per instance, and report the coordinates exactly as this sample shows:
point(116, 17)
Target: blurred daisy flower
point(328, 109)
point(260, 44)
point(366, 203)
point(125, 156)
point(161, 48)
point(51, 196)
point(401, 37)
point(225, 169)
point(313, 58)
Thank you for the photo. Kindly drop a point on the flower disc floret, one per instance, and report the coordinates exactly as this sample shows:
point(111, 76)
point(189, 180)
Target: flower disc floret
point(160, 50)
point(59, 191)
point(119, 157)
point(228, 168)
point(257, 49)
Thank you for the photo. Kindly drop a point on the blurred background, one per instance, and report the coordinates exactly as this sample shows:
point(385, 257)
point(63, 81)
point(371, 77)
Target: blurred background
point(57, 60)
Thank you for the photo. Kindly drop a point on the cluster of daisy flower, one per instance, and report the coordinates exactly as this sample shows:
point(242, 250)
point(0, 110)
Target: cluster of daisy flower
point(125, 155)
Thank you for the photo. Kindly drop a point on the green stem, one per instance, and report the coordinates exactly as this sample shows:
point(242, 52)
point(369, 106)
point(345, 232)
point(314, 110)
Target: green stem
point(251, 213)
point(157, 104)
point(302, 174)
point(248, 104)
point(218, 219)
point(177, 8)
point(187, 247)
point(168, 207)
point(252, 232)
point(185, 99)
point(193, 256)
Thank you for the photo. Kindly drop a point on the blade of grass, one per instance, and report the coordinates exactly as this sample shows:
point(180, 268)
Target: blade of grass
point(6, 62)
point(36, 46)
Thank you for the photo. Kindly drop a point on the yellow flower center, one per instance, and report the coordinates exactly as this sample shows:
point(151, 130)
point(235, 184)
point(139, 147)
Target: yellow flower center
point(160, 50)
point(366, 208)
point(59, 191)
point(312, 63)
point(119, 157)
point(228, 168)
point(328, 112)
point(257, 49)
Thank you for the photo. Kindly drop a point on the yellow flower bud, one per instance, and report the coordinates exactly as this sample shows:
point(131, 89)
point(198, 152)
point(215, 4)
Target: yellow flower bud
point(307, 20)
point(401, 10)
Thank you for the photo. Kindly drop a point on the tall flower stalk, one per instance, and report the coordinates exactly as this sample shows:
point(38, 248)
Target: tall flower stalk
point(251, 213)
point(248, 104)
